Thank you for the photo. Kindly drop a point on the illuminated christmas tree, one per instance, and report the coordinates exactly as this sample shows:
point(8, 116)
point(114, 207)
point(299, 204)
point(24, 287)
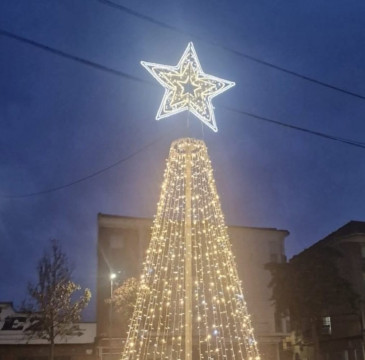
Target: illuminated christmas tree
point(190, 303)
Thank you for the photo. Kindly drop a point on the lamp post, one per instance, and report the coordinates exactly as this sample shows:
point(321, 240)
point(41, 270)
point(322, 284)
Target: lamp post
point(112, 276)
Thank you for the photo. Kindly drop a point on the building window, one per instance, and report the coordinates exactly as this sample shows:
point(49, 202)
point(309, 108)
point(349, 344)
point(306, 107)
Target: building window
point(274, 256)
point(287, 324)
point(326, 326)
point(278, 323)
point(362, 250)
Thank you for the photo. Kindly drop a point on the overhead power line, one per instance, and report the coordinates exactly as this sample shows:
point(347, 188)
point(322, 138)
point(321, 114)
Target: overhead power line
point(72, 57)
point(134, 78)
point(228, 49)
point(355, 143)
point(87, 177)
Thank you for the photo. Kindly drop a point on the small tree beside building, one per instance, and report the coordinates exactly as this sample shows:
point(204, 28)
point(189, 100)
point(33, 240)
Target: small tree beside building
point(122, 302)
point(52, 300)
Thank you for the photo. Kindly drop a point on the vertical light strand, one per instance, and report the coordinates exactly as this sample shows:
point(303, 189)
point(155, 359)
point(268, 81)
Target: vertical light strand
point(212, 266)
point(197, 255)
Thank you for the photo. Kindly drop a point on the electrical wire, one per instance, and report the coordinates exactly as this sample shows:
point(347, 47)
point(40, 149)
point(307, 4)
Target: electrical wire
point(276, 122)
point(134, 78)
point(226, 48)
point(87, 177)
point(72, 57)
point(355, 143)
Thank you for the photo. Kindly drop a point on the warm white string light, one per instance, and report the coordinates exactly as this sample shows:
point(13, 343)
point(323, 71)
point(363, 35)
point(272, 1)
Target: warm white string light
point(221, 324)
point(187, 87)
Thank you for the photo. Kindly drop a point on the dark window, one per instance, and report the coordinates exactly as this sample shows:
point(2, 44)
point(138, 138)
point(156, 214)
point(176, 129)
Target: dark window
point(326, 326)
point(363, 251)
point(287, 325)
point(278, 323)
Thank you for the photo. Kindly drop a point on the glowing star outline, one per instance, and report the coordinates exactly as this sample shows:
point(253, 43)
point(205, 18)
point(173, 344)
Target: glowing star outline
point(188, 72)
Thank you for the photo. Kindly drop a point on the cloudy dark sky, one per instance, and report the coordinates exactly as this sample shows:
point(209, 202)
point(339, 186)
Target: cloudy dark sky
point(62, 119)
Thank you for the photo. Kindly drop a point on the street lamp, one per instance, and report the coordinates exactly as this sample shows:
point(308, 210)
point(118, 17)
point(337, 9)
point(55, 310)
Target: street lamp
point(112, 276)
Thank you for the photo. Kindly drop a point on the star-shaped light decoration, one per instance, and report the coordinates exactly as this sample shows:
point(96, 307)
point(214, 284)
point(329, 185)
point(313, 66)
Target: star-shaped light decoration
point(187, 87)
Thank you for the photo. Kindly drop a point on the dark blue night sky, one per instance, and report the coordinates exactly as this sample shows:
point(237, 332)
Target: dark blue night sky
point(62, 119)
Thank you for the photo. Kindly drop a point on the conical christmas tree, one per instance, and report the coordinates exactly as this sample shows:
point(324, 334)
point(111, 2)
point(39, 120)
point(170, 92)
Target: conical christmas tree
point(190, 303)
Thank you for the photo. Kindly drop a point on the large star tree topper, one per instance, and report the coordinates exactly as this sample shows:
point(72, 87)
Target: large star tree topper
point(187, 87)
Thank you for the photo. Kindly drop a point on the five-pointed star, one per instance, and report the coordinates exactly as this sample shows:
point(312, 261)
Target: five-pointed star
point(187, 87)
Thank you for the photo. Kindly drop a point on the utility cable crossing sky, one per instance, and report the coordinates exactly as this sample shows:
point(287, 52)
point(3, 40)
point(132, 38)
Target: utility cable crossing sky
point(131, 77)
point(226, 48)
point(137, 79)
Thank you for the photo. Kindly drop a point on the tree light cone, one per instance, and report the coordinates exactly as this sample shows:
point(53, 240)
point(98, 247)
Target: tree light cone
point(190, 303)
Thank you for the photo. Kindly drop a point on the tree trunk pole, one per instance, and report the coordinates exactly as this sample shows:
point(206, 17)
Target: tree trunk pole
point(188, 258)
point(51, 350)
point(51, 355)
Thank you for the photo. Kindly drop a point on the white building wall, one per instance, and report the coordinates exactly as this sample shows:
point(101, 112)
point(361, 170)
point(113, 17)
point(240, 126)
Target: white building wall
point(13, 324)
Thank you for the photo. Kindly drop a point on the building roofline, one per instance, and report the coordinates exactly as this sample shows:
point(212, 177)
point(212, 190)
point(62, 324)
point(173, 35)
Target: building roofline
point(7, 303)
point(113, 216)
point(260, 228)
point(350, 229)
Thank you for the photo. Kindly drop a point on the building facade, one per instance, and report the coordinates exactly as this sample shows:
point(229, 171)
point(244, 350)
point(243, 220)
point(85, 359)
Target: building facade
point(15, 344)
point(122, 243)
point(342, 328)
